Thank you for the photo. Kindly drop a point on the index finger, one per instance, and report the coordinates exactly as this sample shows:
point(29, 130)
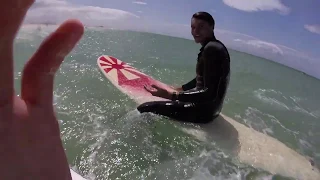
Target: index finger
point(146, 88)
point(39, 72)
point(12, 13)
point(156, 86)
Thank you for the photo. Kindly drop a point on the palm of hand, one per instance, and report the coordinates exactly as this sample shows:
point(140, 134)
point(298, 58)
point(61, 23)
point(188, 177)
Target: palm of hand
point(160, 92)
point(157, 91)
point(30, 143)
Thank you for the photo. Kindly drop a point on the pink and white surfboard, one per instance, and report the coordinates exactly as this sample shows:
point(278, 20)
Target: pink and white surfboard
point(128, 79)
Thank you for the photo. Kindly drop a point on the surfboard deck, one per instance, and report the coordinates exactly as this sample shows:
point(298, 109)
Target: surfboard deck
point(249, 146)
point(128, 79)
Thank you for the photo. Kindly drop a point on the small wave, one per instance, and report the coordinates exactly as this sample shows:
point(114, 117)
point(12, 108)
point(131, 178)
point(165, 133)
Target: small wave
point(298, 107)
point(154, 57)
point(212, 165)
point(55, 99)
point(316, 113)
point(256, 119)
point(276, 98)
point(305, 144)
point(301, 110)
point(308, 145)
point(261, 94)
point(297, 99)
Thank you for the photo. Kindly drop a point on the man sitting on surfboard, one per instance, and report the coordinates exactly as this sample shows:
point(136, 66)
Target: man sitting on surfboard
point(201, 99)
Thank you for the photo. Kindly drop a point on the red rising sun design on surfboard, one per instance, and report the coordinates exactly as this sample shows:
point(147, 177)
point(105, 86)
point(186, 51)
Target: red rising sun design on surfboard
point(122, 73)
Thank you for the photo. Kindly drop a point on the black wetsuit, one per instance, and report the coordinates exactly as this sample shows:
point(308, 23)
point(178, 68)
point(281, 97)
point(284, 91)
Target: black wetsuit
point(202, 98)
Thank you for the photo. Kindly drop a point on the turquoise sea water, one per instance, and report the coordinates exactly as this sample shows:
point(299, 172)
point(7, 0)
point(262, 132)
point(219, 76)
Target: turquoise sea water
point(105, 137)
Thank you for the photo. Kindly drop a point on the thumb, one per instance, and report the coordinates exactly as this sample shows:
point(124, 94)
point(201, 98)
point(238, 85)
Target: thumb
point(38, 74)
point(155, 86)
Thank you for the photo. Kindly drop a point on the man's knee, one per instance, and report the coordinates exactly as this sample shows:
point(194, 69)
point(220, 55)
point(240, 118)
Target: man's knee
point(143, 107)
point(148, 106)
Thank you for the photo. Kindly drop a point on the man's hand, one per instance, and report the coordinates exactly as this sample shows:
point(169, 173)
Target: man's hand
point(158, 91)
point(30, 143)
point(177, 89)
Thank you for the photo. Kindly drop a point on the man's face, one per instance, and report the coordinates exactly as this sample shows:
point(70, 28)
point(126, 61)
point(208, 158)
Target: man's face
point(200, 30)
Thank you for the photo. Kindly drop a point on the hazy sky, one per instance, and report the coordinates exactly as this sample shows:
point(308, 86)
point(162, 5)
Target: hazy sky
point(287, 31)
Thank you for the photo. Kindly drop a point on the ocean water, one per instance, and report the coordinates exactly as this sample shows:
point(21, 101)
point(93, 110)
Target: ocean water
point(106, 138)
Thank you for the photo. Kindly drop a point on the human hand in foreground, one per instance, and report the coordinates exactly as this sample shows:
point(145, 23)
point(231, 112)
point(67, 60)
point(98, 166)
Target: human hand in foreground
point(30, 143)
point(159, 91)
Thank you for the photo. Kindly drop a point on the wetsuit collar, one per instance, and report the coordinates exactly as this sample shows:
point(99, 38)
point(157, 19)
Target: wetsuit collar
point(211, 39)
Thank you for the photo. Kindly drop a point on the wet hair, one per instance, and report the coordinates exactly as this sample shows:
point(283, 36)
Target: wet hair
point(205, 17)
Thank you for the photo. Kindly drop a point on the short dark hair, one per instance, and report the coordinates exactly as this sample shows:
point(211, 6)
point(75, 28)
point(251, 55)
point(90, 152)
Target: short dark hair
point(205, 17)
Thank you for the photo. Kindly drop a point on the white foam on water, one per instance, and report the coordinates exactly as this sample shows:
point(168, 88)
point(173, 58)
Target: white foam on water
point(212, 165)
point(253, 118)
point(299, 108)
point(305, 144)
point(92, 160)
point(256, 119)
point(316, 113)
point(55, 99)
point(183, 167)
point(261, 94)
point(99, 134)
point(204, 174)
point(154, 57)
point(294, 105)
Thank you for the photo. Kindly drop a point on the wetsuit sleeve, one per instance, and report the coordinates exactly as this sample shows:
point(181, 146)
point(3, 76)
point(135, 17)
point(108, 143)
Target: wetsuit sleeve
point(191, 84)
point(212, 74)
